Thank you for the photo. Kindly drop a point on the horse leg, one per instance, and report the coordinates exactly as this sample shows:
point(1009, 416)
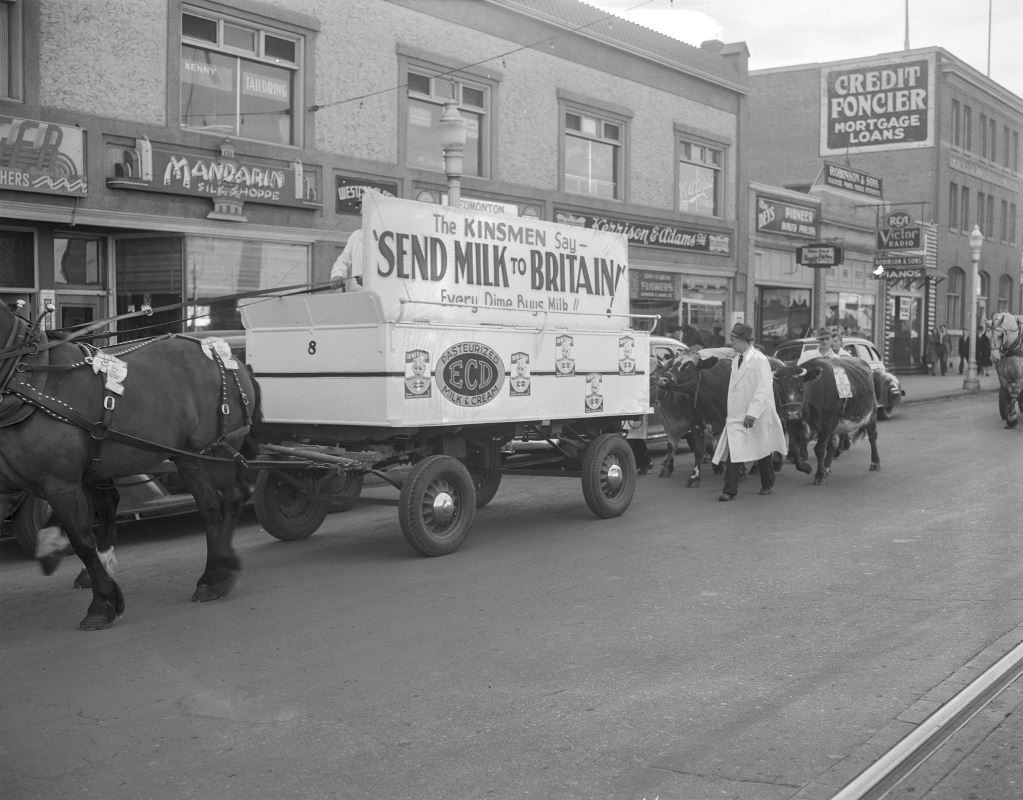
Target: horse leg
point(73, 509)
point(219, 511)
point(104, 503)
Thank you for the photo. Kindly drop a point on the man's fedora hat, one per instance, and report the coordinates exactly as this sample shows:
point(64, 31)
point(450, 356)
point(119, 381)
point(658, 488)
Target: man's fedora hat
point(741, 331)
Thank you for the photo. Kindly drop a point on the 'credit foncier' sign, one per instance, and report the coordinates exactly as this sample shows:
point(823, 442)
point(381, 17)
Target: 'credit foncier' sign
point(877, 106)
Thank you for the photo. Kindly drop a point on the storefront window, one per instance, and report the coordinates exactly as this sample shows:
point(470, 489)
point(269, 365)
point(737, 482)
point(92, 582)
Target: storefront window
point(148, 273)
point(17, 260)
point(852, 313)
point(903, 330)
point(783, 314)
point(77, 262)
point(217, 267)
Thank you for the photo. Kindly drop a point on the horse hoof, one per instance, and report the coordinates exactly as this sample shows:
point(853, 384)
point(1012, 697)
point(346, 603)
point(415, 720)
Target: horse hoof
point(49, 564)
point(1011, 423)
point(804, 468)
point(875, 467)
point(693, 483)
point(97, 622)
point(204, 593)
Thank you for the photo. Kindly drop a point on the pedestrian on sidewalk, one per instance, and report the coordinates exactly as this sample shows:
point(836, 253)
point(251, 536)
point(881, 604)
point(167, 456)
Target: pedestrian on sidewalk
point(964, 350)
point(753, 430)
point(983, 352)
point(944, 349)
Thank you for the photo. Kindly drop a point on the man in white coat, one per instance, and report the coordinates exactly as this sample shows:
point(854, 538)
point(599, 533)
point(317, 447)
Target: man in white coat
point(753, 430)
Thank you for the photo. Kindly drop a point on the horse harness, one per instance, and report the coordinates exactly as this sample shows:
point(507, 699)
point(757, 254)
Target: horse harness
point(36, 364)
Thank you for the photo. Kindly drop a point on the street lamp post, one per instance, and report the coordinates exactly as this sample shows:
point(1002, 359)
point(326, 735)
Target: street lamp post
point(453, 129)
point(971, 383)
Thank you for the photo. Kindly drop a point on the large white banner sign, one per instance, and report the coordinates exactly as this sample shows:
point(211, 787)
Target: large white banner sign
point(445, 264)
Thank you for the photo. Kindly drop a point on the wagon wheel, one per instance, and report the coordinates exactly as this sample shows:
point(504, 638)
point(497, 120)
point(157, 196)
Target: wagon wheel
point(487, 482)
point(1003, 402)
point(437, 505)
point(609, 475)
point(33, 513)
point(287, 505)
point(343, 491)
point(886, 412)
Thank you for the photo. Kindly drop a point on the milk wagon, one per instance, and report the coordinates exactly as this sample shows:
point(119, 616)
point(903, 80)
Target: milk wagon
point(478, 346)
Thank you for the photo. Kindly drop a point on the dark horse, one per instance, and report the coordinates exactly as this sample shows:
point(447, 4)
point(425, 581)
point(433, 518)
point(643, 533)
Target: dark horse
point(73, 417)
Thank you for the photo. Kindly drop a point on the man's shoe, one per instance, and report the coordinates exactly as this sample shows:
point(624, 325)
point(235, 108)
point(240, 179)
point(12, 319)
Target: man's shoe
point(765, 491)
point(725, 497)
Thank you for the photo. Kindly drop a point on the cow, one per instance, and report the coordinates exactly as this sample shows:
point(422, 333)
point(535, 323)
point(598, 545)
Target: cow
point(826, 399)
point(1006, 335)
point(691, 394)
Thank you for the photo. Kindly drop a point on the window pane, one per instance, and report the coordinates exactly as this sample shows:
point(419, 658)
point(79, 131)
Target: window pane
point(697, 189)
point(573, 122)
point(472, 97)
point(17, 260)
point(265, 103)
point(207, 90)
point(6, 50)
point(418, 83)
point(239, 38)
point(589, 126)
point(280, 49)
point(199, 28)
point(77, 262)
point(590, 167)
point(611, 132)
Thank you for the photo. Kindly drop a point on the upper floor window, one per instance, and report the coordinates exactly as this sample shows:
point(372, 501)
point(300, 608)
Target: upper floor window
point(428, 91)
point(593, 153)
point(956, 123)
point(1015, 151)
point(967, 128)
point(992, 140)
point(1005, 221)
point(239, 78)
point(10, 48)
point(965, 223)
point(699, 178)
point(1005, 146)
point(954, 297)
point(983, 135)
point(1012, 223)
point(953, 205)
point(1004, 293)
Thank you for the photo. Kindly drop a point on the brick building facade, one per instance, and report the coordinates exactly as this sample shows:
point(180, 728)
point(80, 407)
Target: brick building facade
point(176, 151)
point(935, 145)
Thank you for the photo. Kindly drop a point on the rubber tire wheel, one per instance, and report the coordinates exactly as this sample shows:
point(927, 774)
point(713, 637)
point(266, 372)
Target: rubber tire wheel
point(487, 482)
point(1003, 402)
point(343, 498)
point(33, 513)
point(607, 498)
point(429, 533)
point(885, 412)
point(284, 511)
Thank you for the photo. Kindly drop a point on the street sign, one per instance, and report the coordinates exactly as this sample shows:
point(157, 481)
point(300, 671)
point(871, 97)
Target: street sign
point(819, 255)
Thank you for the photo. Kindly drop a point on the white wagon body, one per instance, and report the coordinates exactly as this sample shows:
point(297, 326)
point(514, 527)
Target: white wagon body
point(425, 344)
point(471, 332)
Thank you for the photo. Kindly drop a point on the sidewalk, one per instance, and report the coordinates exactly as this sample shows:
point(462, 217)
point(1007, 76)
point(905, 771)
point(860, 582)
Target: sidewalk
point(921, 387)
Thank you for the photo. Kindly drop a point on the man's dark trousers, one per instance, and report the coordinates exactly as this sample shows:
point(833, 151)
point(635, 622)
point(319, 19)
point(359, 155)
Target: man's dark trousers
point(765, 468)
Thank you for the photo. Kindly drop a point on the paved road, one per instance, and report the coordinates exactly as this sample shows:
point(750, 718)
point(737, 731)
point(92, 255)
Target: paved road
point(689, 650)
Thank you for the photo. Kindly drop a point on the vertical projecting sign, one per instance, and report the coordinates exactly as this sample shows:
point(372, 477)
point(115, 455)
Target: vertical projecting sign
point(877, 105)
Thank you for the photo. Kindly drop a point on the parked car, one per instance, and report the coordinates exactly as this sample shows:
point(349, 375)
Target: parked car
point(650, 428)
point(141, 496)
point(889, 391)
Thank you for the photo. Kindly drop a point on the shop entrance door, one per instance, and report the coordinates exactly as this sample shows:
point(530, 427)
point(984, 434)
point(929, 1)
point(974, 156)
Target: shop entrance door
point(903, 331)
point(79, 309)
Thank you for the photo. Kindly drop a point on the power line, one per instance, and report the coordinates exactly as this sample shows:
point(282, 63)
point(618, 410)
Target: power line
point(361, 97)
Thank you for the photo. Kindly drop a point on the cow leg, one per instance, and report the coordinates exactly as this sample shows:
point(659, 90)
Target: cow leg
point(668, 465)
point(823, 450)
point(695, 439)
point(875, 459)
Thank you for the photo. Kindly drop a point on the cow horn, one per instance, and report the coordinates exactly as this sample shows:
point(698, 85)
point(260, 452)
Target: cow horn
point(801, 373)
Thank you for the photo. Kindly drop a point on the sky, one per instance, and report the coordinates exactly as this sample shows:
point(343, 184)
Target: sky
point(782, 33)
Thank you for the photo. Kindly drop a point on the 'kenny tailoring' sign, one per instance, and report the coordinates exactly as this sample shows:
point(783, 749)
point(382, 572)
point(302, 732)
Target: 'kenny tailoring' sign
point(877, 105)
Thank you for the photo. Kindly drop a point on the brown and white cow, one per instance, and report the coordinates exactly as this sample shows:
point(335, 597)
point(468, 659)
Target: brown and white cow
point(691, 393)
point(825, 399)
